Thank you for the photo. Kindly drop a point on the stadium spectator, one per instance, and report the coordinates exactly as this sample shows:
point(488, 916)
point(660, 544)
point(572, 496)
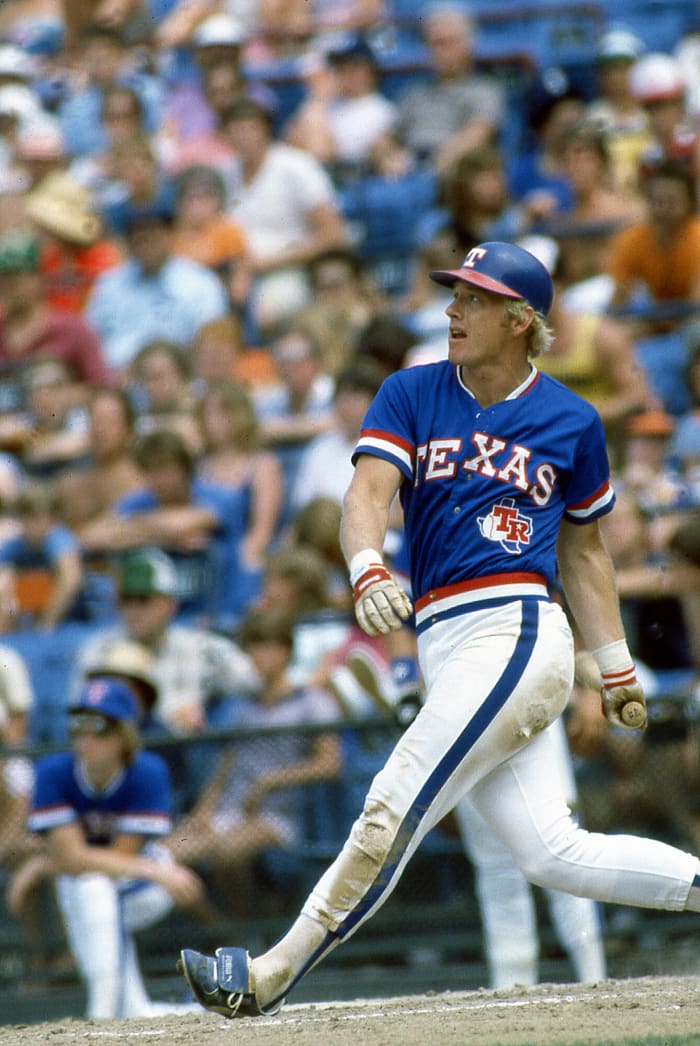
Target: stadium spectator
point(221, 85)
point(297, 408)
point(200, 675)
point(254, 799)
point(594, 354)
point(159, 385)
point(297, 580)
point(74, 248)
point(16, 704)
point(656, 262)
point(197, 522)
point(191, 112)
point(103, 58)
point(111, 472)
point(16, 782)
point(344, 298)
point(40, 150)
point(658, 83)
point(684, 446)
point(384, 343)
point(316, 526)
point(598, 211)
point(153, 293)
point(325, 468)
point(220, 353)
point(30, 329)
point(344, 115)
point(286, 23)
point(233, 459)
point(139, 182)
point(285, 202)
point(457, 109)
point(56, 426)
point(41, 571)
point(204, 233)
point(475, 206)
point(122, 115)
point(535, 175)
point(616, 111)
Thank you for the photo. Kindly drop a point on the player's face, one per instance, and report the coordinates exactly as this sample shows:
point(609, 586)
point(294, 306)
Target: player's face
point(478, 330)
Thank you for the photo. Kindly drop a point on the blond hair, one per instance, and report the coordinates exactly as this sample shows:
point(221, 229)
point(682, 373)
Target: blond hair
point(539, 335)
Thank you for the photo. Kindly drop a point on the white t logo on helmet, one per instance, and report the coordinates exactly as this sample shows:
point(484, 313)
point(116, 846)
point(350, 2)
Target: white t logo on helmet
point(474, 255)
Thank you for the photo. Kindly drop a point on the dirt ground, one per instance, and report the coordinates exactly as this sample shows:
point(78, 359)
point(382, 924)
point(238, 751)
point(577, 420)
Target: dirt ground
point(611, 1012)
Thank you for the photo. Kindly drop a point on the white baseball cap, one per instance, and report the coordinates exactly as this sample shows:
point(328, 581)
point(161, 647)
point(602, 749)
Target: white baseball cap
point(16, 62)
point(618, 44)
point(219, 30)
point(657, 77)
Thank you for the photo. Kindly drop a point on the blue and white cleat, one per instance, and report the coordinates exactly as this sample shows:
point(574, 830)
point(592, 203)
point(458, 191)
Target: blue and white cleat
point(223, 982)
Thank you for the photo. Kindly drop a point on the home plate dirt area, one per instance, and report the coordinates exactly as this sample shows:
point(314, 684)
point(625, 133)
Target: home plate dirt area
point(663, 1011)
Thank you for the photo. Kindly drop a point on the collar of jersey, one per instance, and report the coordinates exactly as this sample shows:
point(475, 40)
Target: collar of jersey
point(90, 788)
point(521, 389)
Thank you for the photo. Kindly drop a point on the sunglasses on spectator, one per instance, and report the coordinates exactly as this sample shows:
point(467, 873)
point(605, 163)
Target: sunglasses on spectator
point(91, 723)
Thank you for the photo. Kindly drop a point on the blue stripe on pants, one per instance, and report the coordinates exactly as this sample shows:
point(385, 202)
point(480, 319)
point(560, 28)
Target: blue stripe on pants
point(452, 759)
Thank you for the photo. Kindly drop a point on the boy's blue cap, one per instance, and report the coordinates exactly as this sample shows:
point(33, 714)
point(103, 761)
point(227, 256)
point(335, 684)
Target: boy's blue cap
point(108, 697)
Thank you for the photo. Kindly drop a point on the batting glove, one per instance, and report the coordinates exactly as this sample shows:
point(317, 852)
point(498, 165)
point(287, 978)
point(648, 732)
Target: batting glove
point(381, 605)
point(620, 686)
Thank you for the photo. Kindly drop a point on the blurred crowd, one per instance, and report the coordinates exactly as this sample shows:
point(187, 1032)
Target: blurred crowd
point(217, 221)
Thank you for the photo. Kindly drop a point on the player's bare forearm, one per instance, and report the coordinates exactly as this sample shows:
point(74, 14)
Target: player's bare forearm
point(366, 506)
point(588, 579)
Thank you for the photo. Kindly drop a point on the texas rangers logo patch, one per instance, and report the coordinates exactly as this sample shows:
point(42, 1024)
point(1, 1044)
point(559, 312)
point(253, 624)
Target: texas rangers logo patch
point(506, 525)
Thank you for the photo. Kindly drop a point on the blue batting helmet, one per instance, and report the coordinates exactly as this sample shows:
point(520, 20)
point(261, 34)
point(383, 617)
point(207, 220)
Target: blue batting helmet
point(503, 268)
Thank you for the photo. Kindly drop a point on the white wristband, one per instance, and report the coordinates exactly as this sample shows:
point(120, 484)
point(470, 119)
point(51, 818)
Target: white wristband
point(361, 560)
point(614, 657)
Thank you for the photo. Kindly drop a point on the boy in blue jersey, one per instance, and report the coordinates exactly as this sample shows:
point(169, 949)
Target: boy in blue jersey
point(502, 474)
point(101, 808)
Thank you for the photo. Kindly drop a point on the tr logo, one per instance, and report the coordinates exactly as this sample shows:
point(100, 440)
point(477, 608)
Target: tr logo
point(506, 526)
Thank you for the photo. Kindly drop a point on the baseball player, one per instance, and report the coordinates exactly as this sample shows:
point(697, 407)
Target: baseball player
point(101, 808)
point(503, 476)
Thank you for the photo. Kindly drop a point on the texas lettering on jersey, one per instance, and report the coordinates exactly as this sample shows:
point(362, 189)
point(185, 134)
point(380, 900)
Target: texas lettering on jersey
point(486, 488)
point(496, 459)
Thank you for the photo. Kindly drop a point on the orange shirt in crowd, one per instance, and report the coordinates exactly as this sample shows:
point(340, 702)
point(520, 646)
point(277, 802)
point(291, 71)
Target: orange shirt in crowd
point(670, 273)
point(71, 271)
point(221, 241)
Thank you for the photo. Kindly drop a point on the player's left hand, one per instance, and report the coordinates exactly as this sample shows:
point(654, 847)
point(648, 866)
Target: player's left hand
point(614, 700)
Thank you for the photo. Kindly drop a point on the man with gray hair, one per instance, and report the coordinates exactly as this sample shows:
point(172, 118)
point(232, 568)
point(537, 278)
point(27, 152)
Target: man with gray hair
point(456, 109)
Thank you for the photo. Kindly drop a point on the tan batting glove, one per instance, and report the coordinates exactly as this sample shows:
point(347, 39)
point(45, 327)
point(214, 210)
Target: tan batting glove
point(619, 685)
point(381, 605)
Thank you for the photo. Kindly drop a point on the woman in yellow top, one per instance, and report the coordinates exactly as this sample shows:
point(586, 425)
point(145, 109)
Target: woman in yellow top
point(594, 355)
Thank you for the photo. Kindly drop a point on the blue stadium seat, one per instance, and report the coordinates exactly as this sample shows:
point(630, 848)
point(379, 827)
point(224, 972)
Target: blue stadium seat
point(659, 23)
point(550, 33)
point(50, 658)
point(383, 215)
point(664, 358)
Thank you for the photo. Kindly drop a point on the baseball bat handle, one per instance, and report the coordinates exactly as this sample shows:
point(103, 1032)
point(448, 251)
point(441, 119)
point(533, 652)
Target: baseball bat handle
point(633, 714)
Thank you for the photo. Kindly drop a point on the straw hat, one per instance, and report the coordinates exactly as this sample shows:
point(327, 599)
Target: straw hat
point(124, 657)
point(64, 208)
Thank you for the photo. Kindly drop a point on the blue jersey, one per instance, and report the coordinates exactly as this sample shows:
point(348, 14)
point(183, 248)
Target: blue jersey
point(485, 489)
point(137, 802)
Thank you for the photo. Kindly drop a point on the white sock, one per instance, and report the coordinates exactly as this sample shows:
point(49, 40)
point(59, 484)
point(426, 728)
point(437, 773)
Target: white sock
point(277, 968)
